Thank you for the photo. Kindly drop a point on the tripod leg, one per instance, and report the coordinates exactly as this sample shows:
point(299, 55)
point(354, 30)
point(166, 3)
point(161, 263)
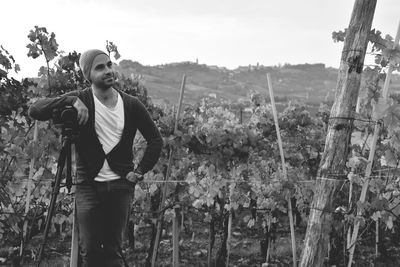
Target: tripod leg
point(68, 180)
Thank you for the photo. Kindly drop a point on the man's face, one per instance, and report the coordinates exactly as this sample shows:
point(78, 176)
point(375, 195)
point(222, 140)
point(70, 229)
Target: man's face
point(102, 73)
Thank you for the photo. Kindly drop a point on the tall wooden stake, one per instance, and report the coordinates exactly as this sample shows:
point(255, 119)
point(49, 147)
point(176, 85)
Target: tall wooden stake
point(74, 257)
point(28, 194)
point(175, 222)
point(269, 247)
point(293, 236)
point(333, 162)
point(177, 210)
point(229, 237)
point(377, 238)
point(368, 170)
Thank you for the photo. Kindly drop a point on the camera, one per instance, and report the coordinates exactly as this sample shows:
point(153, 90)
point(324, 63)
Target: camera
point(67, 117)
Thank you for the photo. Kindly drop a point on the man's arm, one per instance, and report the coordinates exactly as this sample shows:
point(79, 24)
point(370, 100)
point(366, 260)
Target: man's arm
point(150, 132)
point(43, 108)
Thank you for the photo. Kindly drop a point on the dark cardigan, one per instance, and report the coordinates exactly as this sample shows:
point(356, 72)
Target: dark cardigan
point(90, 155)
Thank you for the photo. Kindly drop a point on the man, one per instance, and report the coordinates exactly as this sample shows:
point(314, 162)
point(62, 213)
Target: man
point(107, 123)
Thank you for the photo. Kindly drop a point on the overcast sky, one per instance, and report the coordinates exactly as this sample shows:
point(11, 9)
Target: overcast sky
point(227, 33)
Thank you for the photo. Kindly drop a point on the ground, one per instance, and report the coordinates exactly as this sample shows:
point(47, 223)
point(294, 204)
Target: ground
point(245, 250)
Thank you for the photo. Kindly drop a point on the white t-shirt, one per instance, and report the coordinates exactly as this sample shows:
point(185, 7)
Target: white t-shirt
point(109, 124)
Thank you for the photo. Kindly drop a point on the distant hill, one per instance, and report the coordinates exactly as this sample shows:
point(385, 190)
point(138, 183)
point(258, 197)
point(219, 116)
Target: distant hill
point(312, 83)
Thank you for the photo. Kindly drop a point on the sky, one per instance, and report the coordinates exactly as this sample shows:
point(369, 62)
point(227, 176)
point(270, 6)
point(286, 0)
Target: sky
point(226, 33)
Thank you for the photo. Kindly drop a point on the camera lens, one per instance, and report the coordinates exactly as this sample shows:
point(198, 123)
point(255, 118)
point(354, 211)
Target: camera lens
point(69, 115)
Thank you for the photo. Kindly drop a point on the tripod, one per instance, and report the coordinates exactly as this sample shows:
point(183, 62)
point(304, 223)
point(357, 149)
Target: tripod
point(64, 158)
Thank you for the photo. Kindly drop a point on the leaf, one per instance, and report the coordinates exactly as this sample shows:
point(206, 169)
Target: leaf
point(339, 36)
point(380, 108)
point(389, 222)
point(247, 218)
point(234, 206)
point(139, 193)
point(33, 150)
point(380, 204)
point(17, 68)
point(207, 217)
point(393, 116)
point(376, 216)
point(198, 203)
point(389, 159)
point(363, 206)
point(191, 178)
point(111, 47)
point(3, 73)
point(351, 176)
point(14, 151)
point(178, 133)
point(42, 71)
point(153, 188)
point(356, 161)
point(251, 223)
point(117, 55)
point(392, 54)
point(194, 191)
point(34, 51)
point(13, 221)
point(19, 140)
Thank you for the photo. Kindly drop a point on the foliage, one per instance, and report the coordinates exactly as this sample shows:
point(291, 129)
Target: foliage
point(382, 203)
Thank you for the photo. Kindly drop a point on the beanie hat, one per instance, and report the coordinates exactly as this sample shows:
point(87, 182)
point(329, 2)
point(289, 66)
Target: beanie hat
point(86, 61)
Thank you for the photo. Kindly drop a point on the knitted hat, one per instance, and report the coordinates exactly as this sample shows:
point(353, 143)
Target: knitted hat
point(86, 61)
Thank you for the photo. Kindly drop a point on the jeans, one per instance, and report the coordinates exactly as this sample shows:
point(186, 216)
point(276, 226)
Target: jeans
point(102, 215)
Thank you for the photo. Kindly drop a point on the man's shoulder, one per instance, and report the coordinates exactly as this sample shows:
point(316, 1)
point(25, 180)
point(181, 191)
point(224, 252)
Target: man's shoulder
point(132, 100)
point(85, 94)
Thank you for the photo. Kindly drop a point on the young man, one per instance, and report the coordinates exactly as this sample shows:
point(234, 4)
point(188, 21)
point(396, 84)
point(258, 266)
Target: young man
point(108, 120)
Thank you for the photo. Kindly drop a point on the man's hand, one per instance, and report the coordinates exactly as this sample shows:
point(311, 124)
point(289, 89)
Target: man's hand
point(134, 177)
point(83, 112)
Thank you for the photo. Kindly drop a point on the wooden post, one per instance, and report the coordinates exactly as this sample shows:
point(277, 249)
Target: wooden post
point(333, 162)
point(377, 238)
point(269, 247)
point(177, 210)
point(211, 240)
point(175, 222)
point(377, 130)
point(275, 114)
point(74, 257)
point(178, 113)
point(28, 195)
point(228, 241)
